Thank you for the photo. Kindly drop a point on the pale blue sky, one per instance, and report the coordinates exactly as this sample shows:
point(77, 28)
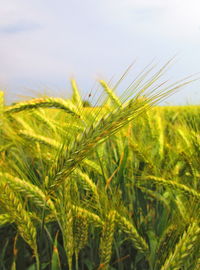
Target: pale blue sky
point(45, 42)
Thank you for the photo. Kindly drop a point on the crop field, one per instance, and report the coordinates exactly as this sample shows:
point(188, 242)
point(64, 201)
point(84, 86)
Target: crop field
point(110, 187)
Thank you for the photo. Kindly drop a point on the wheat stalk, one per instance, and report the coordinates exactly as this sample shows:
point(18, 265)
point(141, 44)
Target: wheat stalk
point(80, 232)
point(76, 98)
point(127, 227)
point(90, 138)
point(106, 240)
point(93, 165)
point(184, 248)
point(41, 117)
point(50, 102)
point(30, 135)
point(106, 127)
point(164, 247)
point(92, 218)
point(66, 220)
point(20, 216)
point(34, 193)
point(174, 186)
point(115, 100)
point(88, 183)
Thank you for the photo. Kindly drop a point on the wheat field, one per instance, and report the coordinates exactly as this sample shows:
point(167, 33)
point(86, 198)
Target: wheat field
point(113, 186)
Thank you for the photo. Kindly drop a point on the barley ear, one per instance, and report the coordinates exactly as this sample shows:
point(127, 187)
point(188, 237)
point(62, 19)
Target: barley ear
point(80, 231)
point(172, 185)
point(30, 191)
point(184, 248)
point(65, 219)
point(92, 218)
point(127, 227)
point(76, 98)
point(88, 184)
point(106, 241)
point(113, 97)
point(19, 215)
point(50, 102)
point(32, 137)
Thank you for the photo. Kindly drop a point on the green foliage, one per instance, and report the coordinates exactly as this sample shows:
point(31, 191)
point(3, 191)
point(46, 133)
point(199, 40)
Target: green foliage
point(110, 187)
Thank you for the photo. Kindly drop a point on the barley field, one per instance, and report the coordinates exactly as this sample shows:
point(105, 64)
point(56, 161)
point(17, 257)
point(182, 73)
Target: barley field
point(113, 186)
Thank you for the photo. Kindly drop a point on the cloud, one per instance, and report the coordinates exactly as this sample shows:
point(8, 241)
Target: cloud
point(18, 27)
point(49, 40)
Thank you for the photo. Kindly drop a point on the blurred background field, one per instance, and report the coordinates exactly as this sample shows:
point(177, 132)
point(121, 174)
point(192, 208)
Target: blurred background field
point(108, 187)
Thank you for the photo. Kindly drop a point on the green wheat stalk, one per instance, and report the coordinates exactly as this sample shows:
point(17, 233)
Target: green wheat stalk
point(50, 102)
point(20, 216)
point(184, 248)
point(172, 185)
point(127, 227)
point(34, 193)
point(106, 240)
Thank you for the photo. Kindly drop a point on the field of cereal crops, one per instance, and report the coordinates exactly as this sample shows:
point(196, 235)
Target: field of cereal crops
point(110, 187)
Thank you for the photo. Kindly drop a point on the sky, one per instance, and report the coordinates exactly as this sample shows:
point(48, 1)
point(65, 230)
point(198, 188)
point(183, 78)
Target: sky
point(44, 43)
